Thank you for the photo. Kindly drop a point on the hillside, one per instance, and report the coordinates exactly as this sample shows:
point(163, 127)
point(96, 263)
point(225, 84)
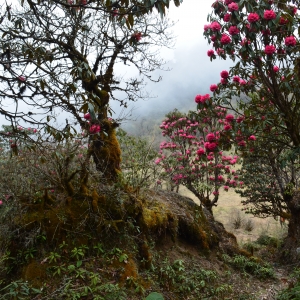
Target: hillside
point(124, 246)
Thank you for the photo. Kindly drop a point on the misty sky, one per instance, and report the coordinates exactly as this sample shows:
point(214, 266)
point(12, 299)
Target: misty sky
point(192, 72)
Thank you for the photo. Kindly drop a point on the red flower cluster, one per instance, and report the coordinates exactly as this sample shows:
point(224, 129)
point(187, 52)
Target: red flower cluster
point(269, 15)
point(95, 128)
point(87, 116)
point(215, 26)
point(224, 74)
point(22, 78)
point(233, 30)
point(233, 6)
point(253, 17)
point(229, 118)
point(137, 36)
point(210, 53)
point(225, 39)
point(236, 79)
point(270, 49)
point(213, 87)
point(283, 21)
point(227, 17)
point(290, 41)
point(202, 99)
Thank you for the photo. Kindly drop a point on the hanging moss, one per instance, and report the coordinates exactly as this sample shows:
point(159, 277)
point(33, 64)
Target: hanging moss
point(107, 152)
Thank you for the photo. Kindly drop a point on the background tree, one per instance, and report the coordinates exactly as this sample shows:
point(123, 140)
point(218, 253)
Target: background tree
point(263, 37)
point(193, 153)
point(61, 56)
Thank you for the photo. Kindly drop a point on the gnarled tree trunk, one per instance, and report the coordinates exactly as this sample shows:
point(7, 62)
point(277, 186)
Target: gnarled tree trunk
point(291, 248)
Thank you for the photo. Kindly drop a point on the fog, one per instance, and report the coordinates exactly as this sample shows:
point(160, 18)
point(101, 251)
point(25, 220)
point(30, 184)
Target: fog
point(191, 71)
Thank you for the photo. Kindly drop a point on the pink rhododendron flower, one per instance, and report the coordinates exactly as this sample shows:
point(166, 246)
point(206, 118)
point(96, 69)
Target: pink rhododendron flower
point(236, 79)
point(283, 21)
point(213, 87)
point(213, 38)
point(233, 6)
point(224, 74)
point(220, 178)
point(227, 127)
point(229, 118)
point(270, 49)
point(252, 138)
point(1, 202)
point(242, 143)
point(233, 30)
point(137, 36)
point(207, 26)
point(275, 69)
point(210, 146)
point(269, 15)
point(95, 128)
point(253, 17)
point(240, 119)
point(293, 10)
point(200, 151)
point(87, 116)
point(210, 137)
point(243, 82)
point(226, 188)
point(215, 193)
point(210, 53)
point(205, 97)
point(198, 99)
point(224, 81)
point(225, 39)
point(228, 1)
point(227, 17)
point(220, 51)
point(22, 78)
point(215, 26)
point(266, 32)
point(290, 41)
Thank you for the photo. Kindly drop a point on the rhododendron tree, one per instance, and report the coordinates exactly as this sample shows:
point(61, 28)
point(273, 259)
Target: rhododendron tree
point(61, 56)
point(195, 151)
point(265, 84)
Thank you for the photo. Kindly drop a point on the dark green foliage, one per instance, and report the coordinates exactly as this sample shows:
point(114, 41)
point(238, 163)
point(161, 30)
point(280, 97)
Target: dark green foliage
point(250, 265)
point(261, 193)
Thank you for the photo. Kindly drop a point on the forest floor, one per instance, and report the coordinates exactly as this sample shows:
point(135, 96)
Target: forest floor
point(247, 230)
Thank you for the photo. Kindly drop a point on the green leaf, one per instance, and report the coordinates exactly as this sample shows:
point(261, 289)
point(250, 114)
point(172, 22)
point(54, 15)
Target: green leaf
point(79, 263)
point(155, 296)
point(92, 112)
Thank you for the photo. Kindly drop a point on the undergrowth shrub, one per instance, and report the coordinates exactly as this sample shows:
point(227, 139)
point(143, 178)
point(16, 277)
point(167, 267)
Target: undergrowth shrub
point(138, 155)
point(267, 240)
point(293, 291)
point(250, 266)
point(249, 225)
point(237, 219)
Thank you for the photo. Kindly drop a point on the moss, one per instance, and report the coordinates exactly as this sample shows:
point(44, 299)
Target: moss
point(35, 273)
point(107, 153)
point(130, 270)
point(145, 254)
point(95, 199)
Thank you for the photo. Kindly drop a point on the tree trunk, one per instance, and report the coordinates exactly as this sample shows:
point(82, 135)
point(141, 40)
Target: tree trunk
point(290, 251)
